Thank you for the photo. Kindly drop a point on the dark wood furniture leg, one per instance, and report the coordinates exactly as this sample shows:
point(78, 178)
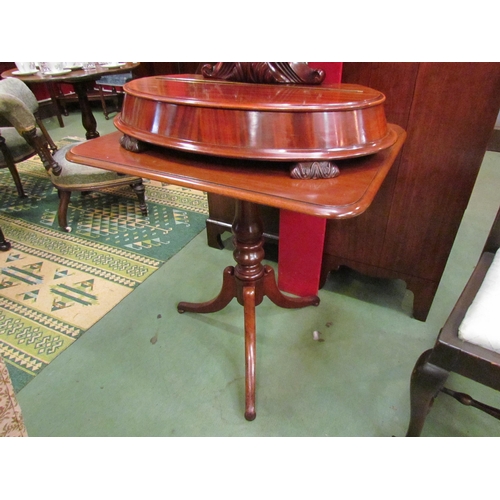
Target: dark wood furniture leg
point(423, 295)
point(140, 191)
point(88, 119)
point(65, 198)
point(55, 101)
point(4, 244)
point(249, 281)
point(9, 160)
point(426, 382)
point(62, 211)
point(103, 102)
point(214, 231)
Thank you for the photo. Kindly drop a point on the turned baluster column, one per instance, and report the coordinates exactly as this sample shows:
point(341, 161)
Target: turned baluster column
point(248, 242)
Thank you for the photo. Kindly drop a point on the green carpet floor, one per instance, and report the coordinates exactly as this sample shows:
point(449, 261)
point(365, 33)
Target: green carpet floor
point(145, 370)
point(55, 285)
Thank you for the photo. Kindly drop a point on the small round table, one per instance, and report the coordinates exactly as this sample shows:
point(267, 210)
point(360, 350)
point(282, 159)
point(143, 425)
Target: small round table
point(78, 78)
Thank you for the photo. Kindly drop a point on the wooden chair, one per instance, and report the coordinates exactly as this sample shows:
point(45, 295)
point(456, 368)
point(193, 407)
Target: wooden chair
point(19, 106)
point(468, 344)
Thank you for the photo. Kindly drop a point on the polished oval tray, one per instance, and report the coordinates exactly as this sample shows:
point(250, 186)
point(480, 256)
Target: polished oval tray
point(257, 121)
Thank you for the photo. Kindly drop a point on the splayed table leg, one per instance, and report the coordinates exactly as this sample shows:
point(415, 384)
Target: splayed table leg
point(249, 281)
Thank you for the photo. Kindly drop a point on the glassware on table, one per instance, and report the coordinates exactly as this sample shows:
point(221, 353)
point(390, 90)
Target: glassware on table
point(26, 67)
point(89, 66)
point(73, 65)
point(48, 68)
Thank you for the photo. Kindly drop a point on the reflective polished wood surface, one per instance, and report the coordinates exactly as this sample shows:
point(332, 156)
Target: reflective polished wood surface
point(266, 183)
point(265, 122)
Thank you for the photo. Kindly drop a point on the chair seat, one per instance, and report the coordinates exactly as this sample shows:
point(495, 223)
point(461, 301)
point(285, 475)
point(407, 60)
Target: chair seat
point(481, 324)
point(18, 146)
point(76, 177)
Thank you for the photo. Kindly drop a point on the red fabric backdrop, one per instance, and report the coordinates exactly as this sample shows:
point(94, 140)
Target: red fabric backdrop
point(302, 236)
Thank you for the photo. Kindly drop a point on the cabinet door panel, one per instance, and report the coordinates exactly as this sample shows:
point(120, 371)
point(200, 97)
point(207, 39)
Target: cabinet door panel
point(362, 239)
point(452, 115)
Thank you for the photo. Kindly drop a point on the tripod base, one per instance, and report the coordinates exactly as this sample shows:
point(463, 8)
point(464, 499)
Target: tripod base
point(249, 281)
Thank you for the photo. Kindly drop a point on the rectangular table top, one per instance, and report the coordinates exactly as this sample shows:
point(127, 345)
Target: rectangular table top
point(267, 183)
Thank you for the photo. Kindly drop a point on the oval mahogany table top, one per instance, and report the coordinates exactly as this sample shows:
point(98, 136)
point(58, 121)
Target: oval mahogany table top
point(277, 122)
point(267, 183)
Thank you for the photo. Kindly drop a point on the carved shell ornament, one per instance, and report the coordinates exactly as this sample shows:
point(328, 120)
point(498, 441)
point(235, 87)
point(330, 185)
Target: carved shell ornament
point(314, 170)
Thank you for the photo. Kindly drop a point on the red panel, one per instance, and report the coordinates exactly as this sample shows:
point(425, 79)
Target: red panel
point(300, 252)
point(302, 236)
point(333, 70)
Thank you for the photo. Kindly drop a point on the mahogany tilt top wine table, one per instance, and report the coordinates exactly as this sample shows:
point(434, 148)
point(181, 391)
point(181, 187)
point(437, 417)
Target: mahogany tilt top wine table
point(251, 183)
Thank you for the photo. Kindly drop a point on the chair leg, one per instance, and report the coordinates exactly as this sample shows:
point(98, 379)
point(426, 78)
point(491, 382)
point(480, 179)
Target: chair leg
point(17, 181)
point(56, 103)
point(43, 148)
point(116, 99)
point(64, 197)
point(52, 146)
point(4, 244)
point(103, 103)
point(426, 382)
point(140, 191)
point(9, 160)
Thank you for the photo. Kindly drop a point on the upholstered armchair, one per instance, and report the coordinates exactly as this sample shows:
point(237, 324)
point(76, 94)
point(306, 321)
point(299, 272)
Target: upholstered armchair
point(19, 114)
point(19, 107)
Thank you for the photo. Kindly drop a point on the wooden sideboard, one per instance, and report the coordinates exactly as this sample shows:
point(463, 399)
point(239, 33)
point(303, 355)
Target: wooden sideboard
point(449, 111)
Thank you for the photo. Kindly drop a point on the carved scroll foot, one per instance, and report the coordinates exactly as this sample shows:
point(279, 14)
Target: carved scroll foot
point(132, 144)
point(314, 170)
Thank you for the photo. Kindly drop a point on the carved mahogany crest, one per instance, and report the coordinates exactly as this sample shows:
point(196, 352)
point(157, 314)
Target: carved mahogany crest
point(264, 72)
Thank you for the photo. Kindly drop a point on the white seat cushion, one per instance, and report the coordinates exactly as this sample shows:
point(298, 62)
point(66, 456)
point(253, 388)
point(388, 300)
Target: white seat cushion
point(481, 324)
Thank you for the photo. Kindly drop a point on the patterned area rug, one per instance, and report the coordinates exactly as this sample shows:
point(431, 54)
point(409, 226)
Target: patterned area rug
point(55, 285)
